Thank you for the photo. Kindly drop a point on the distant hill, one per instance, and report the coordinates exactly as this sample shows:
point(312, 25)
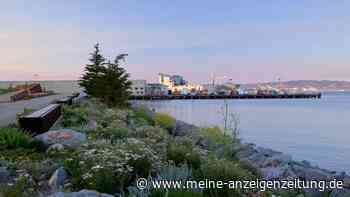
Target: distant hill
point(322, 85)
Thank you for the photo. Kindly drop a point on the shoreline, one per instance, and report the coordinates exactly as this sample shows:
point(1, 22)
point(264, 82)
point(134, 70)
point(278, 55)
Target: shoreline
point(275, 165)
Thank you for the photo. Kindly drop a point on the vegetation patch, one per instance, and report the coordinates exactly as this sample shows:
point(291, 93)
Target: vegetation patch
point(99, 161)
point(13, 138)
point(164, 121)
point(222, 170)
point(142, 115)
point(74, 116)
point(183, 153)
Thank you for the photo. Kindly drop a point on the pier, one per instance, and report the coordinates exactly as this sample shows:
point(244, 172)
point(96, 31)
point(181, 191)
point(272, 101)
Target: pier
point(246, 96)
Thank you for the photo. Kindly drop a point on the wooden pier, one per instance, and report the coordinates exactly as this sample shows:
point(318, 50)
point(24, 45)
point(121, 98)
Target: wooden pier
point(246, 96)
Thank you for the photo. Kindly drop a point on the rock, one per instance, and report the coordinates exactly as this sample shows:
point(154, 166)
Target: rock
point(55, 147)
point(283, 172)
point(92, 125)
point(277, 159)
point(82, 193)
point(311, 173)
point(66, 137)
point(246, 150)
point(58, 179)
point(4, 175)
point(340, 193)
point(267, 152)
point(182, 128)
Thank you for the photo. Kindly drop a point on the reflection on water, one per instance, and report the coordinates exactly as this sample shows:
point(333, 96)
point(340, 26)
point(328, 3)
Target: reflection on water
point(313, 130)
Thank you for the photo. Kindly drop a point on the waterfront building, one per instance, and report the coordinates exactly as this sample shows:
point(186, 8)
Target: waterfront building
point(178, 80)
point(138, 87)
point(156, 89)
point(171, 80)
point(165, 79)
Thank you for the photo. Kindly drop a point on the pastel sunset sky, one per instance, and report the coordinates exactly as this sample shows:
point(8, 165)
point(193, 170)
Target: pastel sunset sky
point(246, 40)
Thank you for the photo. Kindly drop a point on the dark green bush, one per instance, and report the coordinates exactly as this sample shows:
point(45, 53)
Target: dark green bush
point(181, 153)
point(22, 188)
point(74, 116)
point(143, 115)
point(216, 135)
point(12, 138)
point(164, 120)
point(222, 145)
point(102, 180)
point(110, 133)
point(222, 170)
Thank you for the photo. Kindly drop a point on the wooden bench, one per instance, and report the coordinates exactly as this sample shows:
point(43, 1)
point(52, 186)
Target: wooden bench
point(42, 120)
point(67, 100)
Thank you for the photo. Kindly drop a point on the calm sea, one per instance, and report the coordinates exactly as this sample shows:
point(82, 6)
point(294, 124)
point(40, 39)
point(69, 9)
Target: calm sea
point(313, 130)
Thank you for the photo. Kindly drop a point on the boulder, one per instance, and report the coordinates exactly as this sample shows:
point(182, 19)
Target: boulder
point(340, 193)
point(58, 179)
point(283, 172)
point(66, 137)
point(92, 125)
point(311, 173)
point(277, 159)
point(182, 128)
point(4, 175)
point(55, 147)
point(82, 193)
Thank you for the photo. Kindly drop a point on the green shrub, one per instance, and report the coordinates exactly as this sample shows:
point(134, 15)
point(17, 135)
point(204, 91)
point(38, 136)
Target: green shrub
point(222, 145)
point(142, 114)
point(183, 153)
point(74, 116)
point(250, 168)
point(222, 170)
point(99, 164)
point(112, 133)
point(172, 172)
point(108, 116)
point(155, 133)
point(216, 135)
point(22, 188)
point(102, 180)
point(12, 138)
point(164, 120)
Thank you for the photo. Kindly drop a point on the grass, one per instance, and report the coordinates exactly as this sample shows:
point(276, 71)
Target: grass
point(13, 138)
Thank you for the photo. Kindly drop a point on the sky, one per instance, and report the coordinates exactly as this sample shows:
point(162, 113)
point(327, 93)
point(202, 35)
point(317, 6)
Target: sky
point(244, 40)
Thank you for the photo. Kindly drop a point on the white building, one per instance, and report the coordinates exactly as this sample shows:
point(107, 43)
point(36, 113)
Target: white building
point(157, 89)
point(138, 87)
point(165, 80)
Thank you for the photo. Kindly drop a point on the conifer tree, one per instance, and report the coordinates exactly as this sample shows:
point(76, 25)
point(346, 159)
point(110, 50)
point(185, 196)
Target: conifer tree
point(93, 73)
point(116, 83)
point(105, 80)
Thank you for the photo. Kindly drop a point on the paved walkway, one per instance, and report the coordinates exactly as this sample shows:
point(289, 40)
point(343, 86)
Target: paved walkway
point(8, 111)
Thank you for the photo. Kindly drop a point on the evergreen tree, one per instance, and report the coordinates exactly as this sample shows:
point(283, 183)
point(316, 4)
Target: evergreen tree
point(106, 80)
point(93, 73)
point(116, 83)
